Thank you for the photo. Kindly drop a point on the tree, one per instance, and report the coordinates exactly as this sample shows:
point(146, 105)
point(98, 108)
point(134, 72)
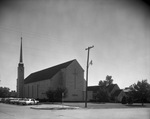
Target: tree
point(109, 80)
point(106, 82)
point(102, 95)
point(124, 100)
point(140, 91)
point(57, 94)
point(13, 93)
point(50, 94)
point(60, 93)
point(4, 92)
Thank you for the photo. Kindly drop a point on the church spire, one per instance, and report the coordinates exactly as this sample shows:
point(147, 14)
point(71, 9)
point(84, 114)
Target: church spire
point(20, 79)
point(21, 57)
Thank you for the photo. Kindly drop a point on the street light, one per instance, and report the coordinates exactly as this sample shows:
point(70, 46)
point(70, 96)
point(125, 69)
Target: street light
point(86, 96)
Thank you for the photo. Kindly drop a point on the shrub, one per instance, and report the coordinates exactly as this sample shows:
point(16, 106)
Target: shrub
point(56, 95)
point(124, 100)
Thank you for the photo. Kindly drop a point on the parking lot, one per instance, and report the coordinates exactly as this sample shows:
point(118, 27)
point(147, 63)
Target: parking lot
point(20, 101)
point(10, 111)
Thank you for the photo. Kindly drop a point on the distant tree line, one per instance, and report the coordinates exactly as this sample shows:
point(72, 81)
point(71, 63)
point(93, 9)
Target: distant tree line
point(5, 92)
point(138, 92)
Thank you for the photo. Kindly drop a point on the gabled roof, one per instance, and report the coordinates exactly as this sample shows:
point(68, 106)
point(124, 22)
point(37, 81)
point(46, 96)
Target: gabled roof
point(96, 88)
point(46, 73)
point(110, 87)
point(93, 88)
point(117, 92)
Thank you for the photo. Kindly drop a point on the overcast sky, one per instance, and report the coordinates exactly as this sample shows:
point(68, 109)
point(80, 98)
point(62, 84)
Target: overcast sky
point(56, 31)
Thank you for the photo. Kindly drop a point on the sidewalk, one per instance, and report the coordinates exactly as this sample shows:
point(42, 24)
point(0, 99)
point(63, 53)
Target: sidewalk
point(52, 107)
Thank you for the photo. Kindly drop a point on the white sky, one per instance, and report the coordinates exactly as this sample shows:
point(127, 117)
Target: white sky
point(56, 31)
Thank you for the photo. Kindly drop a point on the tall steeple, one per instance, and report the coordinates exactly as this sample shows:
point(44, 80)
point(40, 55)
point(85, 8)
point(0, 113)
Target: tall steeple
point(20, 79)
point(21, 58)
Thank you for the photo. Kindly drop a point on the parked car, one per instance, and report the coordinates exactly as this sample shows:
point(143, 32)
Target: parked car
point(16, 100)
point(28, 101)
point(10, 99)
point(1, 99)
point(7, 100)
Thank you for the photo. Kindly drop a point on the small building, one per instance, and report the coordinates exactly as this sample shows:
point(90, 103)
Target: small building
point(113, 91)
point(112, 88)
point(92, 90)
point(118, 95)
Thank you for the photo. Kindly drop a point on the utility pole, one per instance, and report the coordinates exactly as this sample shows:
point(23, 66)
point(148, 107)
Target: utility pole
point(86, 96)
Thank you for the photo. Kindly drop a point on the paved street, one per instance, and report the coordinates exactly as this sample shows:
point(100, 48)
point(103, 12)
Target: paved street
point(8, 111)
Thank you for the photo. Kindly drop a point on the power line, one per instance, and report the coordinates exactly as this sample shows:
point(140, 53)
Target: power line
point(28, 34)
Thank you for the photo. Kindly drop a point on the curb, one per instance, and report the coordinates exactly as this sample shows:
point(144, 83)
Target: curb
point(54, 108)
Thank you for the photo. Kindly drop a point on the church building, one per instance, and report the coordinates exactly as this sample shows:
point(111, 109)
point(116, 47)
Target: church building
point(68, 75)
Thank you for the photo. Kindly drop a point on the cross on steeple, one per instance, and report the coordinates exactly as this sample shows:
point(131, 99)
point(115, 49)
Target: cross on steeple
point(75, 75)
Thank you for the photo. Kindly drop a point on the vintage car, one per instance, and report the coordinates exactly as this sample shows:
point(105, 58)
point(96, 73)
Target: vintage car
point(28, 101)
point(16, 100)
point(7, 100)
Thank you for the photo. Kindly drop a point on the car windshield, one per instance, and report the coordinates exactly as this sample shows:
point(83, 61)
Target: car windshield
point(21, 99)
point(26, 99)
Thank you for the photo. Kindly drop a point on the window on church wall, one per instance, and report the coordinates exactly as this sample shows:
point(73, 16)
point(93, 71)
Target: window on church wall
point(24, 91)
point(75, 76)
point(37, 91)
point(61, 79)
point(28, 90)
point(75, 95)
point(32, 91)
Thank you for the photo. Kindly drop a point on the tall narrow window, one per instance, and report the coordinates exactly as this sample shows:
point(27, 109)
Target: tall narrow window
point(37, 90)
point(28, 90)
point(32, 92)
point(75, 78)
